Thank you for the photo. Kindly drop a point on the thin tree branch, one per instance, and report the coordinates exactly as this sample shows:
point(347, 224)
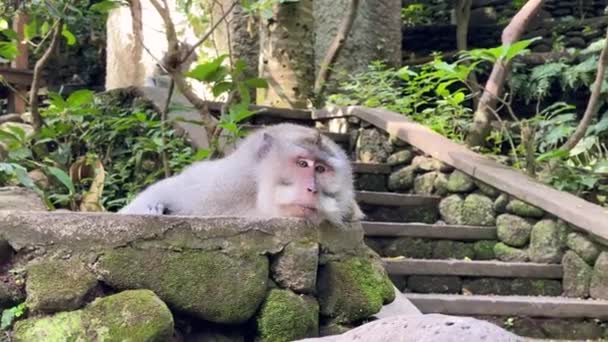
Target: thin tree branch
point(208, 34)
point(36, 79)
point(336, 45)
point(594, 100)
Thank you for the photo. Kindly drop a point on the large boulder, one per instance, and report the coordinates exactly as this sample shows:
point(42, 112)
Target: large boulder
point(210, 285)
point(424, 328)
point(546, 243)
point(136, 315)
point(599, 279)
point(577, 276)
point(513, 230)
point(17, 198)
point(353, 289)
point(285, 316)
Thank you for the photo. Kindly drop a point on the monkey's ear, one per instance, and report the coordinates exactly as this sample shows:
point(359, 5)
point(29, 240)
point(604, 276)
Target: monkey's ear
point(265, 146)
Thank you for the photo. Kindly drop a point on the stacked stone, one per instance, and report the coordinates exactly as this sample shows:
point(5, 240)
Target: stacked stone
point(115, 277)
point(525, 233)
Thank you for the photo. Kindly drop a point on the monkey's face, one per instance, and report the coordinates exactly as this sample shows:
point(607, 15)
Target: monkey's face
point(309, 183)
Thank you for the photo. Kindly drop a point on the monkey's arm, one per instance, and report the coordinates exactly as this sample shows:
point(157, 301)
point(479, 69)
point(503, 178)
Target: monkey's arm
point(155, 200)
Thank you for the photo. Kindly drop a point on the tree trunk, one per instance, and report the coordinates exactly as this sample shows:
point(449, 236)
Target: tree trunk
point(594, 101)
point(463, 14)
point(482, 120)
point(287, 56)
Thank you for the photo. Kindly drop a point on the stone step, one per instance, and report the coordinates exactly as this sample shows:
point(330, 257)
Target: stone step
point(550, 307)
point(498, 269)
point(430, 231)
point(376, 168)
point(395, 199)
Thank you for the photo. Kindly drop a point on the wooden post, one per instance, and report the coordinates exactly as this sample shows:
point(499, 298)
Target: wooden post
point(16, 104)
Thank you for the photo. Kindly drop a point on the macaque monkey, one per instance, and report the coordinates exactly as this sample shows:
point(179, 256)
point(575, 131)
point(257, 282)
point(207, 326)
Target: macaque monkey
point(284, 170)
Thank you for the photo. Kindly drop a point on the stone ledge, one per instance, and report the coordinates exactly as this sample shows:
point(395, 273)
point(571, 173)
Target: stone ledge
point(473, 268)
point(555, 307)
point(429, 231)
point(395, 199)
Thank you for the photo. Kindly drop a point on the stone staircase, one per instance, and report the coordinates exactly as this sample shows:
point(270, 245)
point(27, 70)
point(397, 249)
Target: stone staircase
point(447, 278)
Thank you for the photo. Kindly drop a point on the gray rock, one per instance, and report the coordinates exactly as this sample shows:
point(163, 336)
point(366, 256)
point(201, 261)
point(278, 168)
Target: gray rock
point(486, 189)
point(484, 249)
point(430, 164)
point(584, 247)
point(599, 278)
point(400, 158)
point(434, 284)
point(524, 209)
point(400, 306)
point(136, 315)
point(500, 203)
point(54, 286)
point(424, 328)
point(450, 209)
point(546, 243)
point(402, 179)
point(513, 230)
point(507, 253)
point(410, 248)
point(478, 210)
point(296, 267)
point(441, 184)
point(425, 184)
point(487, 286)
point(448, 249)
point(577, 276)
point(460, 182)
point(372, 146)
point(17, 198)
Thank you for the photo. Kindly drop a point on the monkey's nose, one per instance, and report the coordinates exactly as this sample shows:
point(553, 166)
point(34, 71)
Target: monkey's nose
point(313, 190)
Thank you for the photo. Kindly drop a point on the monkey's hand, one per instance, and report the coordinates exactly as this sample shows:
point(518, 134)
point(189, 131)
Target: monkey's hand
point(157, 209)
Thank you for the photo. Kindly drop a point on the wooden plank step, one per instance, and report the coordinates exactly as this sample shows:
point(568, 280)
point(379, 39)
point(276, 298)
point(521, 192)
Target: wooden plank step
point(553, 307)
point(395, 199)
point(337, 137)
point(430, 231)
point(499, 269)
point(359, 167)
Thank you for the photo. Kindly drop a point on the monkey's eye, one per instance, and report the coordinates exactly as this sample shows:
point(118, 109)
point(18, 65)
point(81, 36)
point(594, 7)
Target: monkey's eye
point(320, 168)
point(302, 163)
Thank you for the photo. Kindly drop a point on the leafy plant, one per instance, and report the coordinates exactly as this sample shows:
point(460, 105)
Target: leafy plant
point(9, 316)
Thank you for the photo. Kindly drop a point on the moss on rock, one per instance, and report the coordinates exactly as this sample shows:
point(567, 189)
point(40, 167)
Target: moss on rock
point(450, 209)
point(484, 249)
point(478, 210)
point(353, 289)
point(504, 252)
point(127, 316)
point(513, 230)
point(209, 285)
point(524, 209)
point(460, 182)
point(285, 316)
point(546, 243)
point(58, 285)
point(448, 249)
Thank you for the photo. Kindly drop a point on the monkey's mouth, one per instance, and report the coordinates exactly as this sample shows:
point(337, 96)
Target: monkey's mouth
point(298, 210)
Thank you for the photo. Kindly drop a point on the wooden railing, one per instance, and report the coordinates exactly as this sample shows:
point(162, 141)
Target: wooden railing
point(572, 209)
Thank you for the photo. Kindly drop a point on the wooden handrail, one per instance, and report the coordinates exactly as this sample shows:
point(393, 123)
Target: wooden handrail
point(585, 215)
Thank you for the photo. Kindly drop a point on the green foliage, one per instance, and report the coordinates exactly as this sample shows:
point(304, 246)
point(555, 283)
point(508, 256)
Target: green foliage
point(416, 14)
point(9, 316)
point(125, 136)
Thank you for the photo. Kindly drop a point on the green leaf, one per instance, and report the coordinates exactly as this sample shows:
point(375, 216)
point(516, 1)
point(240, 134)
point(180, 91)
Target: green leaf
point(80, 97)
point(105, 6)
point(202, 154)
point(518, 47)
point(204, 71)
point(3, 24)
point(552, 154)
point(221, 87)
point(8, 50)
point(57, 101)
point(583, 146)
point(30, 29)
point(8, 317)
point(69, 36)
point(257, 83)
point(63, 177)
point(601, 166)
